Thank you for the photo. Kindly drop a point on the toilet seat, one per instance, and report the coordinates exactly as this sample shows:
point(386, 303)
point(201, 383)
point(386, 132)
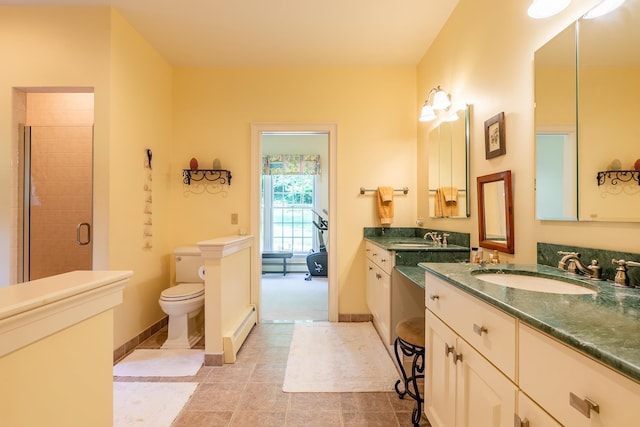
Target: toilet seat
point(183, 291)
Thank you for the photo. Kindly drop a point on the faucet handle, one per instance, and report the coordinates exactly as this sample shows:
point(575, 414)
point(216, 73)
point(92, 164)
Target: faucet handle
point(621, 278)
point(569, 253)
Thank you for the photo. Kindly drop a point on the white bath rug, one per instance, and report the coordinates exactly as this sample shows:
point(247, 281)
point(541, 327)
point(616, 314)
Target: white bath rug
point(160, 363)
point(149, 404)
point(338, 357)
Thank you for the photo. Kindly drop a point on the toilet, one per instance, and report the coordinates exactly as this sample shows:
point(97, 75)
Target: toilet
point(184, 302)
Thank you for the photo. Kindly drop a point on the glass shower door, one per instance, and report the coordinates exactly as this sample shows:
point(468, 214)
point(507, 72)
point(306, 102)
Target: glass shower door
point(58, 200)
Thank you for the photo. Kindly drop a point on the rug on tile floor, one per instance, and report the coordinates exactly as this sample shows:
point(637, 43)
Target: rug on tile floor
point(160, 363)
point(152, 404)
point(338, 357)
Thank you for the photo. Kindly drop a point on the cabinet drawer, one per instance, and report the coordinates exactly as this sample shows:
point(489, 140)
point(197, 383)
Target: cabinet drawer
point(489, 330)
point(551, 373)
point(382, 257)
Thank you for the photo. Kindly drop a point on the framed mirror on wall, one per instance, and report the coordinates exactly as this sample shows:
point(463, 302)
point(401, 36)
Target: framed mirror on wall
point(587, 81)
point(448, 149)
point(495, 212)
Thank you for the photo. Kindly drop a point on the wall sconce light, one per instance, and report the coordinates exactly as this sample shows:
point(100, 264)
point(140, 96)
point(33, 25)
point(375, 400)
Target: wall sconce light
point(540, 9)
point(437, 99)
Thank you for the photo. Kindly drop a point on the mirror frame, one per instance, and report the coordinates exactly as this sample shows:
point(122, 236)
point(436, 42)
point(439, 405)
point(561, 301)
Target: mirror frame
point(508, 246)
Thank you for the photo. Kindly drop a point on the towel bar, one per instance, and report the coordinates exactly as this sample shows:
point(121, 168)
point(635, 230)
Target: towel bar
point(404, 190)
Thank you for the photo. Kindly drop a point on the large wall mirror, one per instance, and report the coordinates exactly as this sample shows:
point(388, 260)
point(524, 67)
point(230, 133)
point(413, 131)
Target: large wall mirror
point(587, 81)
point(449, 167)
point(495, 212)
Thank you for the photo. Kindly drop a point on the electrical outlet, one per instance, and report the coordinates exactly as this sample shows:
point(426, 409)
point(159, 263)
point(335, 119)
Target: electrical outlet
point(234, 218)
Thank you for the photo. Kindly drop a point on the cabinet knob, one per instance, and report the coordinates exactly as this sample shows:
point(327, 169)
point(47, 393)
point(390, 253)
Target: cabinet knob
point(457, 357)
point(370, 268)
point(434, 297)
point(584, 406)
point(518, 422)
point(378, 276)
point(478, 329)
point(383, 260)
point(448, 349)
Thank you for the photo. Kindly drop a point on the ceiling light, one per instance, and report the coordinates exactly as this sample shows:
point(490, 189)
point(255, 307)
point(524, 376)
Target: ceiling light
point(545, 8)
point(603, 8)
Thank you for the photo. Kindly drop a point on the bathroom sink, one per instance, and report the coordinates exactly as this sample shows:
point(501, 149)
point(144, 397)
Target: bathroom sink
point(534, 283)
point(413, 245)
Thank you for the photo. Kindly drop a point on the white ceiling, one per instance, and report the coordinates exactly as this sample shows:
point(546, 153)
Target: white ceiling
point(280, 32)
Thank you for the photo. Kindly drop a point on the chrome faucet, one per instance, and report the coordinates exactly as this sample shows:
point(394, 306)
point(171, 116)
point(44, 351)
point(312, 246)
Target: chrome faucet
point(434, 237)
point(575, 265)
point(622, 279)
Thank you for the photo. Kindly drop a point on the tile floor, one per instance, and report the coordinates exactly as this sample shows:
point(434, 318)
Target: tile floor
point(249, 392)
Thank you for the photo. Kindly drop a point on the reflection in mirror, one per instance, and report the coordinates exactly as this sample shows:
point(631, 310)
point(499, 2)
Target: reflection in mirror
point(555, 118)
point(448, 151)
point(495, 212)
point(600, 95)
point(608, 110)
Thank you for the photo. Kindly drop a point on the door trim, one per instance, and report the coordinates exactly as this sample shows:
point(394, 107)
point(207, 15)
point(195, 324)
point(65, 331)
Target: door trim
point(256, 167)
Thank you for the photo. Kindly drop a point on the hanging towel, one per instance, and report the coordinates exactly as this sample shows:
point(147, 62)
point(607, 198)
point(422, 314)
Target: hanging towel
point(446, 202)
point(385, 205)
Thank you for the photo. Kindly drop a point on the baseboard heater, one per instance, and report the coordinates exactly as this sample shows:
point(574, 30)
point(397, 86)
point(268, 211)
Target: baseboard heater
point(234, 338)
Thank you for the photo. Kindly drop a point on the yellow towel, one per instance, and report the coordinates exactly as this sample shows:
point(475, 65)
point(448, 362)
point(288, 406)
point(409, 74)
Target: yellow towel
point(446, 202)
point(385, 205)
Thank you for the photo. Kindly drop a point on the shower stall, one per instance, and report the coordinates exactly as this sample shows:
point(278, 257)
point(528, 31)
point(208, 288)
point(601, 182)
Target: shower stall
point(56, 200)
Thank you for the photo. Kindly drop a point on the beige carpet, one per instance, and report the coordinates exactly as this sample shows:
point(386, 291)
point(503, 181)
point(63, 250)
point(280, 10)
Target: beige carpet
point(290, 297)
point(149, 404)
point(338, 357)
point(160, 363)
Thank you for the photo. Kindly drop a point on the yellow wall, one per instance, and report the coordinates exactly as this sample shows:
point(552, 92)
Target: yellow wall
point(375, 115)
point(95, 48)
point(140, 118)
point(65, 379)
point(484, 55)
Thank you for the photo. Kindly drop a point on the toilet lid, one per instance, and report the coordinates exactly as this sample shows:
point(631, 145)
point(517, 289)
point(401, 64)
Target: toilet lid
point(183, 291)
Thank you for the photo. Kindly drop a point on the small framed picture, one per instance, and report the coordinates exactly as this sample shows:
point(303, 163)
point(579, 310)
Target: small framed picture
point(494, 136)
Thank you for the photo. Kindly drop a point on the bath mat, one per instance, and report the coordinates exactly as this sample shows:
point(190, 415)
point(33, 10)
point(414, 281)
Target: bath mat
point(152, 404)
point(338, 357)
point(160, 363)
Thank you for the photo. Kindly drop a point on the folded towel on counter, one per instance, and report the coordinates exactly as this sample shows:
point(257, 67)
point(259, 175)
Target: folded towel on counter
point(446, 202)
point(385, 205)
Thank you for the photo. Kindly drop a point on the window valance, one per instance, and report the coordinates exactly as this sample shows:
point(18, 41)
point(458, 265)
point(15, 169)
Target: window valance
point(291, 164)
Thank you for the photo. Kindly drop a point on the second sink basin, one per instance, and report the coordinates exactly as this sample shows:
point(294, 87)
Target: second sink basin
point(413, 245)
point(534, 283)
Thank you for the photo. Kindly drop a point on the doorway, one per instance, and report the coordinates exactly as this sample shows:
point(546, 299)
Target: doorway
point(284, 139)
point(56, 185)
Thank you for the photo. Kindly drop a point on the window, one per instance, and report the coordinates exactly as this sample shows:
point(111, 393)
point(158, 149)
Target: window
point(287, 213)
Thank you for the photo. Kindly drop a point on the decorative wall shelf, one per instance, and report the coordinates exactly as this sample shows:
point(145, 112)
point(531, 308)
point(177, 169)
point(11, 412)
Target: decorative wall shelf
point(223, 176)
point(618, 176)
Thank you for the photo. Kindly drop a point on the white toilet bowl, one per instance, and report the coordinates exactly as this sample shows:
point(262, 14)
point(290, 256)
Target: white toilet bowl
point(183, 304)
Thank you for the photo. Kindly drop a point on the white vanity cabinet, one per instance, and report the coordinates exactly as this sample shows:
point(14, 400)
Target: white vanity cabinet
point(487, 367)
point(573, 388)
point(462, 388)
point(379, 265)
point(470, 359)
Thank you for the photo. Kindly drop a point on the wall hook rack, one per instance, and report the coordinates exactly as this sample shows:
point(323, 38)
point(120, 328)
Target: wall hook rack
point(222, 176)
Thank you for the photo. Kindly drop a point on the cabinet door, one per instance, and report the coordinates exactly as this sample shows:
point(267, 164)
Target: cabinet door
point(370, 279)
point(440, 373)
point(484, 396)
point(383, 283)
point(529, 412)
point(566, 383)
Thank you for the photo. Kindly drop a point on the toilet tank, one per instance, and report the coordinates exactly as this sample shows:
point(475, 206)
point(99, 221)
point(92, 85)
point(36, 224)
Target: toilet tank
point(188, 263)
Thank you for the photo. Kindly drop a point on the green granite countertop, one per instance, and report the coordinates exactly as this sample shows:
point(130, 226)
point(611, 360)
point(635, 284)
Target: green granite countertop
point(605, 326)
point(413, 273)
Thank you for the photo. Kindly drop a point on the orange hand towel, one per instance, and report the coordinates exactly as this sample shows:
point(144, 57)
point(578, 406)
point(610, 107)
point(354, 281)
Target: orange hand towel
point(385, 205)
